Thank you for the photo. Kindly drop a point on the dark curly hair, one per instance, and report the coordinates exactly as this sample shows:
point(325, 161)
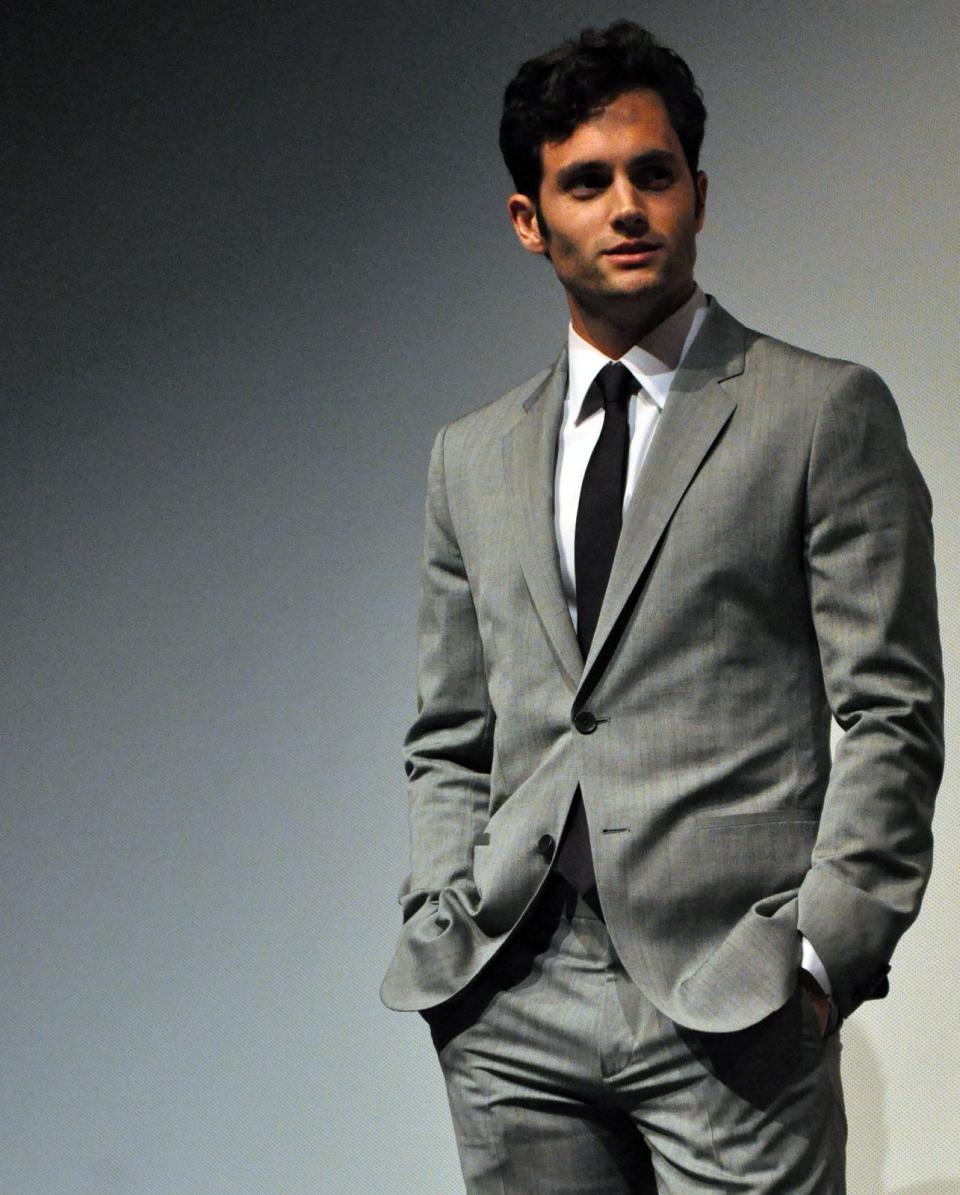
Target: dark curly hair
point(550, 95)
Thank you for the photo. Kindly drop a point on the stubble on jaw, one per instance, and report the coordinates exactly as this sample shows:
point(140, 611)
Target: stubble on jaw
point(630, 313)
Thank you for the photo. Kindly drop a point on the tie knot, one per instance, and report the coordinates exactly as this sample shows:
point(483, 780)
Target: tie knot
point(613, 384)
point(616, 383)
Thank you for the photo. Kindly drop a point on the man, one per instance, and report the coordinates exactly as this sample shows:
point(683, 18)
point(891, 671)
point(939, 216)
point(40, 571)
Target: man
point(642, 896)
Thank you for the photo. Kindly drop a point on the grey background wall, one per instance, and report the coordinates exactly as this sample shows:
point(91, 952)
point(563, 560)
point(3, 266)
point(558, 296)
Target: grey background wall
point(254, 255)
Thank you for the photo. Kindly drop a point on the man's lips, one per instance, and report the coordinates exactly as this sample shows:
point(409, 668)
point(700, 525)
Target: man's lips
point(633, 250)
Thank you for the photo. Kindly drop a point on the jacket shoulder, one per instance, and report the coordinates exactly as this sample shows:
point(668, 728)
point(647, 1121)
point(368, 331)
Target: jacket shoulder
point(494, 418)
point(805, 369)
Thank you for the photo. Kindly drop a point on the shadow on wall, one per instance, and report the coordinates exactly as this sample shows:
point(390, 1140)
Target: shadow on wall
point(864, 1088)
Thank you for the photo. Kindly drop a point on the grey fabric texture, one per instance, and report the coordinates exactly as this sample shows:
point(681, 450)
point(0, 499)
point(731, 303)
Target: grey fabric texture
point(563, 1079)
point(775, 568)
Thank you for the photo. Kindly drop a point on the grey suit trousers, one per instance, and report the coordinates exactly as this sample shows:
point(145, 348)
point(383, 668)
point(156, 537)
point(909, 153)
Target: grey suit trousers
point(563, 1078)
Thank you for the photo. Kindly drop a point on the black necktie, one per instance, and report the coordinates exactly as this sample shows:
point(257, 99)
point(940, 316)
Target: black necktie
point(600, 511)
point(599, 515)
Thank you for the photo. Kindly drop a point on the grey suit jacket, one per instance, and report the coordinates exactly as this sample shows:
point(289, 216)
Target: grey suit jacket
point(775, 568)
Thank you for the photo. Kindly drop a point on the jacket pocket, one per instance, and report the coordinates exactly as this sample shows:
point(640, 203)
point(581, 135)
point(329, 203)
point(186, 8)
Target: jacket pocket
point(749, 857)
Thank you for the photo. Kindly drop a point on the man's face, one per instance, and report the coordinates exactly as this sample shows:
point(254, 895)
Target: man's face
point(618, 213)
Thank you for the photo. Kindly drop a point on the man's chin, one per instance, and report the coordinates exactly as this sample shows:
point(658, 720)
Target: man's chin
point(636, 298)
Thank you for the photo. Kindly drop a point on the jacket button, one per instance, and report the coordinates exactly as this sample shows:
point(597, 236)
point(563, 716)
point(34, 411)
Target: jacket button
point(585, 722)
point(545, 845)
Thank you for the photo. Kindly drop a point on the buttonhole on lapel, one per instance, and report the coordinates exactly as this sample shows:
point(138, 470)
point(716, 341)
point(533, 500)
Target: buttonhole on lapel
point(482, 840)
point(616, 829)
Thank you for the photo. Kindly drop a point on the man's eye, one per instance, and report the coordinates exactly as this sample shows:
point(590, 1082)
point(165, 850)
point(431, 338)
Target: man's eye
point(655, 177)
point(588, 182)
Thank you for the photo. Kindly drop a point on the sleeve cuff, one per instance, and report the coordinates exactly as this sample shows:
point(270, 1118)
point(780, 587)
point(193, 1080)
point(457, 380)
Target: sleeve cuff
point(810, 961)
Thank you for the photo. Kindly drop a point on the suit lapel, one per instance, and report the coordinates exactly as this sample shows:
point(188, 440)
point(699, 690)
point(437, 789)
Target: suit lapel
point(529, 454)
point(695, 414)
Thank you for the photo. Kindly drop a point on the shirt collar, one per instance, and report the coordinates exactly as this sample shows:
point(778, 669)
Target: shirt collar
point(653, 361)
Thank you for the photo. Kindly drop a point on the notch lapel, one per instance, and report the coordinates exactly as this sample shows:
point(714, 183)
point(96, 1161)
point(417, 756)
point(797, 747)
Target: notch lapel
point(529, 457)
point(696, 411)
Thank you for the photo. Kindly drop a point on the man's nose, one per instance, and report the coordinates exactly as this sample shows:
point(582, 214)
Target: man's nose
point(629, 210)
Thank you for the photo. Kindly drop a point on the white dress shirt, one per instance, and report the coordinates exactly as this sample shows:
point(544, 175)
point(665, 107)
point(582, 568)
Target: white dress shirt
point(653, 362)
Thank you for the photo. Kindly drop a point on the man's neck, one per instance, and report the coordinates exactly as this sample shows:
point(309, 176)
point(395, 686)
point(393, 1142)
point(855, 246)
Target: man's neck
point(614, 337)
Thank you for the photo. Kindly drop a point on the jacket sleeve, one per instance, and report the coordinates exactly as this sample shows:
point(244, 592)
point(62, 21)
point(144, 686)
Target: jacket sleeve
point(448, 750)
point(869, 560)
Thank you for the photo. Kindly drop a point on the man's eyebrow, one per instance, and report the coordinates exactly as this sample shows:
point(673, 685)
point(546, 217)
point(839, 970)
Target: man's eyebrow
point(655, 157)
point(652, 157)
point(586, 166)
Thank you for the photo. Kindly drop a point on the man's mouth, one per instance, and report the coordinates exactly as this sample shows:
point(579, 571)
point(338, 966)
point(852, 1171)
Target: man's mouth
point(633, 250)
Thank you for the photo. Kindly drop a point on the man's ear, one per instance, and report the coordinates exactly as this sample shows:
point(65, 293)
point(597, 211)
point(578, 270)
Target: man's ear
point(700, 182)
point(526, 224)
